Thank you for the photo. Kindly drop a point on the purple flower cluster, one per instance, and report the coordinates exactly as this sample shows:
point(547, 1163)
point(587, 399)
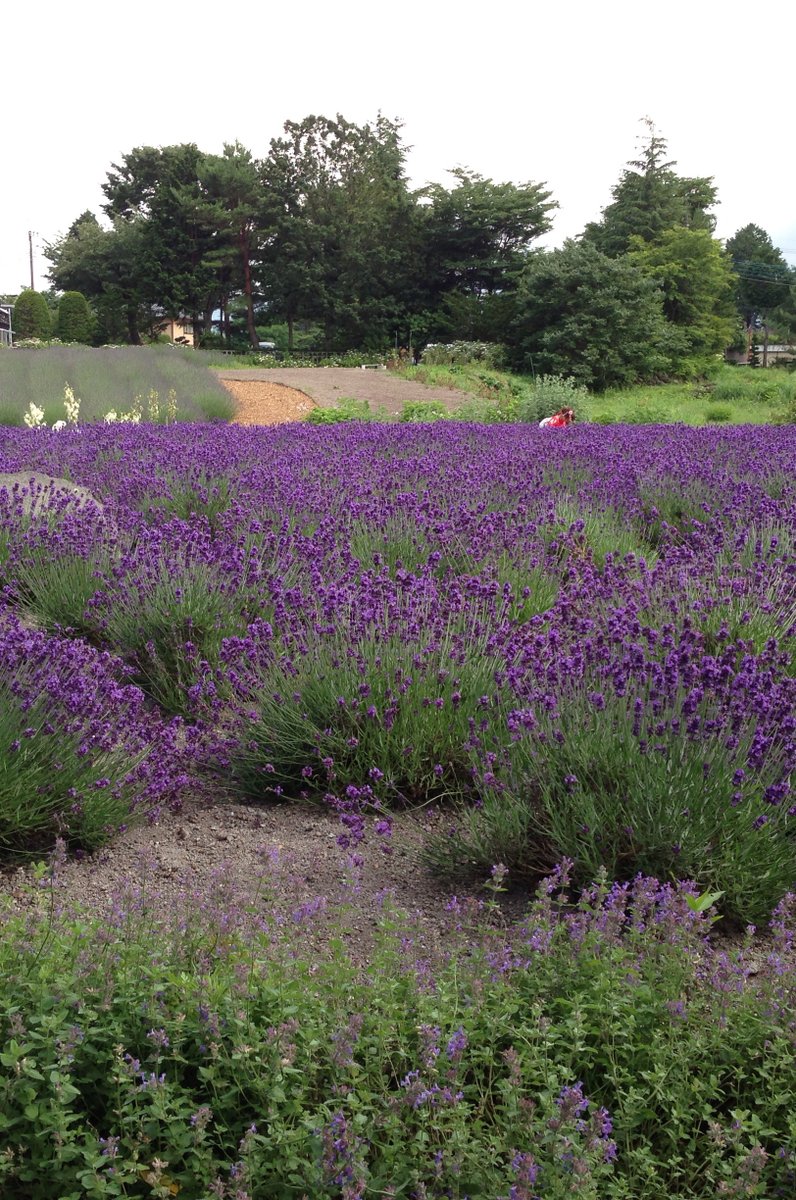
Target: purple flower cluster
point(82, 753)
point(383, 614)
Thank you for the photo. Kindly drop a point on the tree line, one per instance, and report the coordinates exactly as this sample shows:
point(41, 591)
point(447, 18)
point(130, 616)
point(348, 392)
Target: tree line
point(324, 232)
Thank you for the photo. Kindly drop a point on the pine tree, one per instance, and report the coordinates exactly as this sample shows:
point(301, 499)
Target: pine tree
point(651, 198)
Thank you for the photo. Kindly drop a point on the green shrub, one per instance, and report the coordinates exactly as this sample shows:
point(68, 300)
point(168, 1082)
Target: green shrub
point(212, 405)
point(196, 1049)
point(75, 322)
point(644, 413)
point(348, 409)
point(31, 316)
point(718, 412)
point(423, 411)
point(549, 394)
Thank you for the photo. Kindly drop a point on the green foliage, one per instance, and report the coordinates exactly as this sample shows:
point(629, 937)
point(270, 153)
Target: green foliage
point(762, 277)
point(590, 317)
point(105, 265)
point(235, 209)
point(549, 394)
point(696, 281)
point(479, 232)
point(347, 409)
point(718, 412)
point(75, 322)
point(31, 316)
point(650, 199)
point(148, 1053)
point(418, 411)
point(342, 249)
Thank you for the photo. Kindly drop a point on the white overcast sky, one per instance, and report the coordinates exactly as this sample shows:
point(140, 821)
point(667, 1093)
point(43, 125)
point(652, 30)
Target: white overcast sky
point(550, 92)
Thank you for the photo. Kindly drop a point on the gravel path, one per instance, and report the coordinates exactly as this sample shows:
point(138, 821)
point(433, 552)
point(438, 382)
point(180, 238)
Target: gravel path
point(326, 386)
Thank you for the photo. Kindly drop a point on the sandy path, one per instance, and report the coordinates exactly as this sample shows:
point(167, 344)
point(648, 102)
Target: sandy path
point(325, 386)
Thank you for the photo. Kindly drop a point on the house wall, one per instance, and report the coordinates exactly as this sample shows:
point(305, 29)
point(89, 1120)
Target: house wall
point(177, 331)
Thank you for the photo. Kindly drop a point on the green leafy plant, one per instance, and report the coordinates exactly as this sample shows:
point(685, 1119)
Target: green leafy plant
point(348, 409)
point(419, 411)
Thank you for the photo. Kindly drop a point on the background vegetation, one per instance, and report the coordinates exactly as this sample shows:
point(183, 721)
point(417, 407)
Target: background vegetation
point(322, 241)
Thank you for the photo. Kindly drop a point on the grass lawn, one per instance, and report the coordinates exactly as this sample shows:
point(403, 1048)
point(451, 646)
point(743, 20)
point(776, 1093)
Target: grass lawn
point(735, 396)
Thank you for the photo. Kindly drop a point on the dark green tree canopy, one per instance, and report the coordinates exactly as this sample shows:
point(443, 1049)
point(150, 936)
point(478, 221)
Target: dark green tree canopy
point(480, 232)
point(31, 316)
point(237, 211)
point(105, 265)
point(343, 234)
point(595, 318)
point(651, 198)
point(763, 277)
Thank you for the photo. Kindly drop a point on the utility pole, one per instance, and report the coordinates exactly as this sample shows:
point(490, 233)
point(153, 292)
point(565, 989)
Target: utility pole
point(30, 249)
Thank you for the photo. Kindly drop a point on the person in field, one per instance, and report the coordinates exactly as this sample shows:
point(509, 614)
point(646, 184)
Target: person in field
point(559, 420)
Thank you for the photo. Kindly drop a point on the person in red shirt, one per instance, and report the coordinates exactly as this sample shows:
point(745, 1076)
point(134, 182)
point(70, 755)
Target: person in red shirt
point(559, 420)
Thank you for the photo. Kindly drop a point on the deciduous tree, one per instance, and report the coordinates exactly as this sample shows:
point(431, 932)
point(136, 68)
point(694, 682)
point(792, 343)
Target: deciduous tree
point(696, 280)
point(344, 228)
point(763, 278)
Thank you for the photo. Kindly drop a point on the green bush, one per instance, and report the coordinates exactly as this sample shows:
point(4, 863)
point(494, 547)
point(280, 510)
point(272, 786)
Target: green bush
point(198, 1049)
point(75, 322)
point(718, 412)
point(548, 395)
point(420, 411)
point(348, 409)
point(31, 316)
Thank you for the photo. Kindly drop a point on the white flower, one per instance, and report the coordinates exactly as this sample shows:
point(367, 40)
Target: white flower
point(59, 425)
point(34, 417)
point(71, 404)
point(110, 417)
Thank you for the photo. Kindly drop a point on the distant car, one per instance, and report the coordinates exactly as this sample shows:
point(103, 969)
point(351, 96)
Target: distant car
point(267, 345)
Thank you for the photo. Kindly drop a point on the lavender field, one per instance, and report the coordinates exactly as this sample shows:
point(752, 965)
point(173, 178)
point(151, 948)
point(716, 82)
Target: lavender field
point(578, 648)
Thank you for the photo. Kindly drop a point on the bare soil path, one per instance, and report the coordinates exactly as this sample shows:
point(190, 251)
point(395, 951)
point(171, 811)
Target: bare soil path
point(285, 858)
point(273, 395)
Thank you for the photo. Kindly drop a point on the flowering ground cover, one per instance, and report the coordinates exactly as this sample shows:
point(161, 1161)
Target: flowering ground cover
point(578, 647)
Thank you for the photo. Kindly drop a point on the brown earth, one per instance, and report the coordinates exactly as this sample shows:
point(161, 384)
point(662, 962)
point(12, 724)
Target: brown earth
point(284, 389)
point(283, 857)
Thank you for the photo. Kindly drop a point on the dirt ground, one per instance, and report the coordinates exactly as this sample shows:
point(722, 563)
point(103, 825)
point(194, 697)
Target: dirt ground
point(271, 396)
point(284, 857)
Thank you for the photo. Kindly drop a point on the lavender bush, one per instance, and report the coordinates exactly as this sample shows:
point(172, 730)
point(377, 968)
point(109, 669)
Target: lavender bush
point(79, 754)
point(583, 642)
